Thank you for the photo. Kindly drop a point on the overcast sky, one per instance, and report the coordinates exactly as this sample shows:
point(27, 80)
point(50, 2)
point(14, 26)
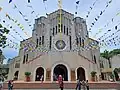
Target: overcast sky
point(51, 5)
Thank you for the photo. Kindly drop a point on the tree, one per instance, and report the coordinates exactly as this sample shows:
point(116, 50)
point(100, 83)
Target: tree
point(114, 52)
point(3, 38)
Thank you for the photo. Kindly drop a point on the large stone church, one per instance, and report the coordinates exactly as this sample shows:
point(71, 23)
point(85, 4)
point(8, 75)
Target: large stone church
point(51, 51)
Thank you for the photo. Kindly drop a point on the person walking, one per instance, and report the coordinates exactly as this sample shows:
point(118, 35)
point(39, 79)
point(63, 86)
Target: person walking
point(78, 86)
point(10, 85)
point(1, 84)
point(60, 81)
point(87, 85)
point(83, 85)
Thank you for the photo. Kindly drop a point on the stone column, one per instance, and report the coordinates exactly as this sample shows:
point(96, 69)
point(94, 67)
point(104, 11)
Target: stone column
point(48, 75)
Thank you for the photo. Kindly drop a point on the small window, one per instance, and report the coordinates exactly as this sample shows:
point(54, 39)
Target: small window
point(80, 41)
point(70, 43)
point(67, 31)
point(56, 29)
point(17, 65)
point(95, 59)
point(77, 40)
point(64, 29)
point(61, 28)
point(37, 43)
point(50, 42)
point(24, 59)
point(42, 40)
point(53, 31)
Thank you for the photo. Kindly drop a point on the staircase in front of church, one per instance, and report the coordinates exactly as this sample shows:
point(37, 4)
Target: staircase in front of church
point(67, 86)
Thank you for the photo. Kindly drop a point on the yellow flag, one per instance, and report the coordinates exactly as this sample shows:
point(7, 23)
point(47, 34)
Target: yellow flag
point(118, 14)
point(0, 8)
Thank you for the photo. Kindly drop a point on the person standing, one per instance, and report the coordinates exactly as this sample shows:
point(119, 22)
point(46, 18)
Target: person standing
point(78, 86)
point(1, 84)
point(60, 81)
point(10, 85)
point(84, 85)
point(87, 85)
point(42, 78)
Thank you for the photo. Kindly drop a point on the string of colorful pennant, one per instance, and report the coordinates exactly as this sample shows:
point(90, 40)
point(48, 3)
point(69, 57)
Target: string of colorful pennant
point(101, 13)
point(91, 8)
point(106, 25)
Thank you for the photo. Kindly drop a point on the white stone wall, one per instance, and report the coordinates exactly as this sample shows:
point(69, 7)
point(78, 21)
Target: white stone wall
point(115, 61)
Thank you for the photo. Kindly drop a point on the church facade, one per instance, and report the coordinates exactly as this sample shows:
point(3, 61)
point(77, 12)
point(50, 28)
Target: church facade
point(52, 51)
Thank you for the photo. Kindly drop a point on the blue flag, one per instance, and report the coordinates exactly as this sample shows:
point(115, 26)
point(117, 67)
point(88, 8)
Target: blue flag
point(28, 1)
point(10, 1)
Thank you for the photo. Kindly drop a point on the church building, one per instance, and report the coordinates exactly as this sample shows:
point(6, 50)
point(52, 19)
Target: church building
point(57, 47)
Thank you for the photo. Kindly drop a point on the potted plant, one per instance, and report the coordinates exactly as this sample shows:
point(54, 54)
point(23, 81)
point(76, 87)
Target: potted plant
point(93, 74)
point(27, 74)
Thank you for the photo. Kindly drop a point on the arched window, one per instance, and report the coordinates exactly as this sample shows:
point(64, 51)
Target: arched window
point(39, 74)
point(16, 75)
point(81, 74)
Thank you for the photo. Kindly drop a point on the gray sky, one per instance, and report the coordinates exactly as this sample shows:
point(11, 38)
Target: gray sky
point(51, 5)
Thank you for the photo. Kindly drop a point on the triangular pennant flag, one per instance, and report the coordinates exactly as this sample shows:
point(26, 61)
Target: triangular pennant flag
point(0, 8)
point(88, 12)
point(116, 27)
point(86, 15)
point(92, 23)
point(110, 1)
point(32, 12)
point(96, 19)
point(112, 19)
point(91, 8)
point(10, 1)
point(101, 13)
point(118, 14)
point(109, 30)
point(44, 0)
point(28, 1)
point(77, 2)
point(8, 16)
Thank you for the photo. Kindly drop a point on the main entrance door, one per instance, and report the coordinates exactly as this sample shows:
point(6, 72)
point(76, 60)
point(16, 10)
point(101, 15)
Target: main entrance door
point(81, 74)
point(60, 69)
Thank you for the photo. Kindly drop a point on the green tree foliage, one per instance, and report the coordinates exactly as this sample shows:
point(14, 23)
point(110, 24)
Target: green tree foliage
point(105, 54)
point(114, 52)
point(108, 54)
point(3, 38)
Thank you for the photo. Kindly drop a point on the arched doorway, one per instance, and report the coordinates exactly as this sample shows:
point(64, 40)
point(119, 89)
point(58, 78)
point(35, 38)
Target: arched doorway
point(16, 75)
point(60, 69)
point(81, 74)
point(39, 73)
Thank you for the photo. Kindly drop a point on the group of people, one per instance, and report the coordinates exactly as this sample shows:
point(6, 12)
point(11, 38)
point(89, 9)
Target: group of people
point(80, 84)
point(10, 85)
